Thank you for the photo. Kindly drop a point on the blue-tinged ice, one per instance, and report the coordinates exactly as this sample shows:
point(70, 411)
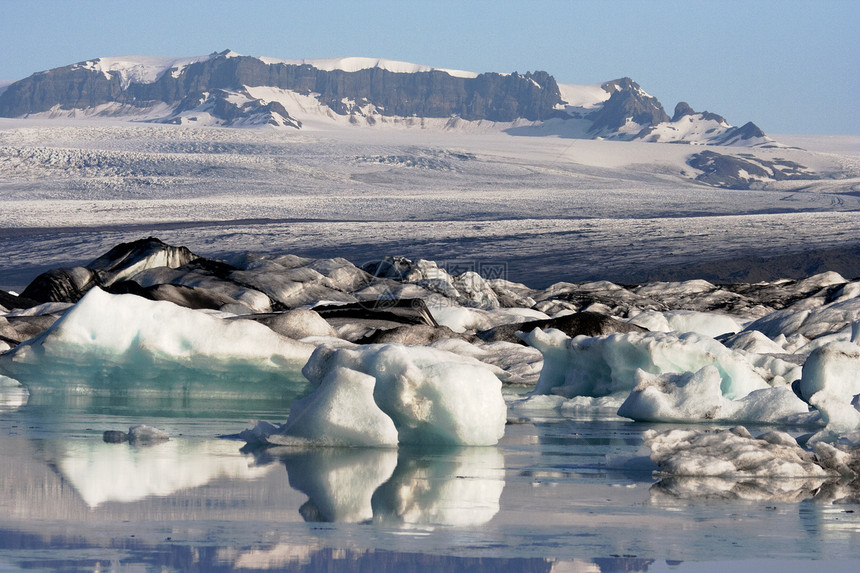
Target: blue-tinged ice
point(125, 343)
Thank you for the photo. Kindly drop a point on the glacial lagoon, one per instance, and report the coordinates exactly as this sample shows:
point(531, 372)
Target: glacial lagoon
point(556, 494)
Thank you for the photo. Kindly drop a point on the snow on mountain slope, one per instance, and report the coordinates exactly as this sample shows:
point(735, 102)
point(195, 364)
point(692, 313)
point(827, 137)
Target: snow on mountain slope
point(354, 64)
point(228, 89)
point(582, 96)
point(690, 129)
point(140, 69)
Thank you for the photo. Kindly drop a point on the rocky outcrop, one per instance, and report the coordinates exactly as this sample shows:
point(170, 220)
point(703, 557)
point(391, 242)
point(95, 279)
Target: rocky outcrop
point(745, 171)
point(220, 90)
point(489, 96)
point(628, 105)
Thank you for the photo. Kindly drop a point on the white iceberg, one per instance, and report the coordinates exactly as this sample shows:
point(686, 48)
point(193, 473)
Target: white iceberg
point(127, 343)
point(732, 453)
point(705, 323)
point(696, 397)
point(831, 383)
point(810, 322)
point(385, 394)
point(604, 365)
point(341, 412)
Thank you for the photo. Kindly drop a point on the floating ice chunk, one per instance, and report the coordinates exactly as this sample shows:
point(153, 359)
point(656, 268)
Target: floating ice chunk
point(341, 412)
point(41, 309)
point(705, 323)
point(299, 323)
point(603, 365)
point(127, 343)
point(756, 342)
point(731, 453)
point(143, 434)
point(745, 488)
point(433, 396)
point(831, 383)
point(535, 406)
point(696, 397)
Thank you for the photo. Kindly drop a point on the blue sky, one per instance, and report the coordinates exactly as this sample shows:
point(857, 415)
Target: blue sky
point(790, 66)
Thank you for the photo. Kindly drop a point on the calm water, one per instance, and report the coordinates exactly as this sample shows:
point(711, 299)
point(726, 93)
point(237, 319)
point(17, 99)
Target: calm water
point(555, 495)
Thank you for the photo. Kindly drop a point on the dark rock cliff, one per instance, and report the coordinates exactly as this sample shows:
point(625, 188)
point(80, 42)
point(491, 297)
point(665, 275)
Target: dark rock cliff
point(489, 96)
point(628, 101)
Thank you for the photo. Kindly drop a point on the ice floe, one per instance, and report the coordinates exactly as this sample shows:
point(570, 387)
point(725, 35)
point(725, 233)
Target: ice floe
point(124, 342)
point(385, 394)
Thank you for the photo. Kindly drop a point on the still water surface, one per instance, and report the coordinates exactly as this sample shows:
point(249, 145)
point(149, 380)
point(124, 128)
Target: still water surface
point(555, 495)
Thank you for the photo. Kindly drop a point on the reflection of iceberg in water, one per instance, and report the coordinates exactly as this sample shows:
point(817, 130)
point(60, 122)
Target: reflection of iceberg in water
point(786, 490)
point(102, 472)
point(288, 556)
point(339, 482)
point(12, 394)
point(462, 488)
point(456, 487)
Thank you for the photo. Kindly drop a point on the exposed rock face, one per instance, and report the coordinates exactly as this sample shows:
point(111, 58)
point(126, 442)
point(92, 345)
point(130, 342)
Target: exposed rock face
point(683, 109)
point(220, 90)
point(744, 171)
point(489, 96)
point(628, 103)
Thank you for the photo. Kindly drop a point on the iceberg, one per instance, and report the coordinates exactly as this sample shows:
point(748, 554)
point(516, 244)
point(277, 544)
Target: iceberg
point(125, 343)
point(696, 397)
point(341, 412)
point(710, 324)
point(389, 394)
point(732, 453)
point(830, 382)
point(603, 365)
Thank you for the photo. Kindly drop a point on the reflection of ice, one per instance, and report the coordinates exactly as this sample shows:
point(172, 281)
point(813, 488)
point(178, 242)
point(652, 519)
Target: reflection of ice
point(829, 490)
point(12, 394)
point(102, 472)
point(339, 482)
point(274, 557)
point(461, 489)
point(414, 487)
point(749, 489)
point(603, 565)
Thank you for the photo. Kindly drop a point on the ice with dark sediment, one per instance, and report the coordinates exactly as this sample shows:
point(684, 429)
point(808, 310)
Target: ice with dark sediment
point(430, 369)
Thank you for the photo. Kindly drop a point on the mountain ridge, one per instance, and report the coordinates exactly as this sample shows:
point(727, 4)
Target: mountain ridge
point(226, 89)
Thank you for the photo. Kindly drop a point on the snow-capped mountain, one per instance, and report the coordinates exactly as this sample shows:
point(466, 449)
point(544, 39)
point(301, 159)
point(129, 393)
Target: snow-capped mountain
point(232, 90)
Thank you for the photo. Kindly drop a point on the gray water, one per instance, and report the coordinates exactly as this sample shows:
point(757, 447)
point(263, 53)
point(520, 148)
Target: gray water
point(554, 495)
